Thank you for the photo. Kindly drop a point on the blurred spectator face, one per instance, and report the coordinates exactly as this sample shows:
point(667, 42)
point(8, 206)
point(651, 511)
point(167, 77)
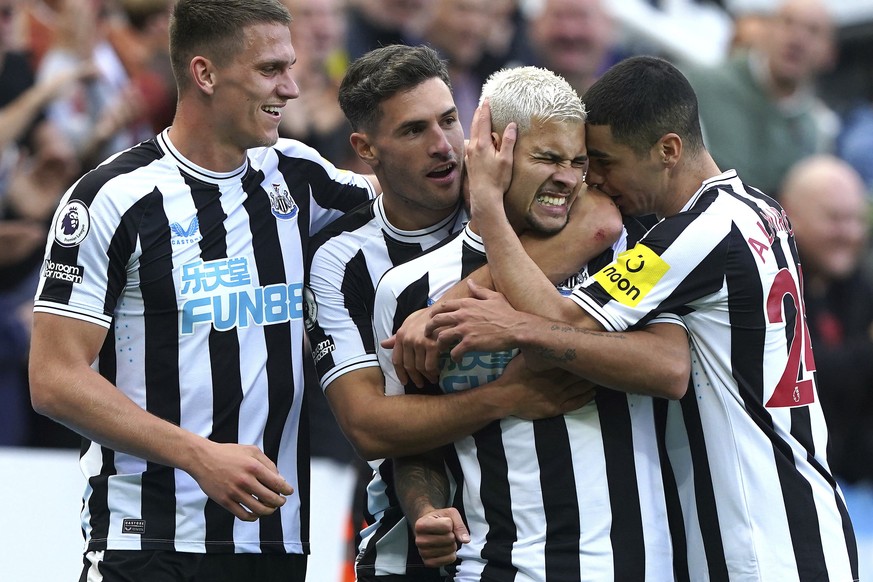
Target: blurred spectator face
point(318, 27)
point(800, 42)
point(459, 30)
point(393, 14)
point(827, 205)
point(571, 37)
point(8, 11)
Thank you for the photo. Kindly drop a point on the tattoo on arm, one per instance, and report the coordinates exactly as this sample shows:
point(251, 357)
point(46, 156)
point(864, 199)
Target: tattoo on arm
point(421, 483)
point(552, 356)
point(568, 355)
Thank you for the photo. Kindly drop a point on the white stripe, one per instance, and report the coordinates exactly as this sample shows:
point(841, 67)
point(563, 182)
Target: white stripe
point(94, 559)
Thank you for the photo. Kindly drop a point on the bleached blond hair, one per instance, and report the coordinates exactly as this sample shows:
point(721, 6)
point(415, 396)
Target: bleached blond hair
point(530, 94)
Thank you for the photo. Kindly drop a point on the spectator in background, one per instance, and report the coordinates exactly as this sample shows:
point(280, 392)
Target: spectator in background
point(749, 27)
point(827, 204)
point(505, 38)
point(106, 114)
point(574, 38)
point(36, 166)
point(458, 30)
point(318, 31)
point(142, 42)
point(375, 23)
point(759, 111)
point(855, 142)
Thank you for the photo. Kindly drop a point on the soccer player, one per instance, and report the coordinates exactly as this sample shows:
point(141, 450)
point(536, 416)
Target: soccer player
point(405, 127)
point(168, 325)
point(575, 496)
point(745, 445)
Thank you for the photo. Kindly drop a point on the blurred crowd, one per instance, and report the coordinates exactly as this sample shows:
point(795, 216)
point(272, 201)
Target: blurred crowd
point(82, 79)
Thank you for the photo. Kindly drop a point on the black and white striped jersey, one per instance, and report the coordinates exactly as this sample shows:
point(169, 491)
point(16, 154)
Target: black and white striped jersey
point(747, 442)
point(348, 259)
point(198, 277)
point(572, 498)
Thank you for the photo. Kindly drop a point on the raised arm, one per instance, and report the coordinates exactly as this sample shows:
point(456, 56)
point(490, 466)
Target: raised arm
point(524, 268)
point(513, 270)
point(241, 478)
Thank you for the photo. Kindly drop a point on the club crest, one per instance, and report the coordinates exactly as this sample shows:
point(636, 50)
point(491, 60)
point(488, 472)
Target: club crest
point(281, 203)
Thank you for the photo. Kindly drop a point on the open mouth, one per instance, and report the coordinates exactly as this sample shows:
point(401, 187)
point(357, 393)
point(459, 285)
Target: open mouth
point(273, 110)
point(551, 200)
point(443, 171)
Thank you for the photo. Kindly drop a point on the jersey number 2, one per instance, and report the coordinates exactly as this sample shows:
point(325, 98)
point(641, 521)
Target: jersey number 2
point(795, 387)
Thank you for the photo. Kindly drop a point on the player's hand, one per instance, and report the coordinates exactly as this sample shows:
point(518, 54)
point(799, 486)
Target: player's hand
point(240, 478)
point(485, 322)
point(544, 394)
point(488, 163)
point(438, 535)
point(415, 356)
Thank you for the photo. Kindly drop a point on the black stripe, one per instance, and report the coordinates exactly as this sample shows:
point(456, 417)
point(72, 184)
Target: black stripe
point(801, 513)
point(471, 259)
point(560, 500)
point(849, 532)
point(161, 357)
point(300, 174)
point(707, 512)
point(326, 192)
point(98, 502)
point(358, 298)
point(411, 299)
point(628, 543)
point(356, 218)
point(453, 464)
point(496, 504)
point(399, 251)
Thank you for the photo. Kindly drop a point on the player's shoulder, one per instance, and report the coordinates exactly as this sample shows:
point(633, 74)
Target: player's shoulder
point(445, 254)
point(349, 233)
point(129, 175)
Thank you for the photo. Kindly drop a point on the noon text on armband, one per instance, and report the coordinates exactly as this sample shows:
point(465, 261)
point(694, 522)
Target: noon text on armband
point(62, 272)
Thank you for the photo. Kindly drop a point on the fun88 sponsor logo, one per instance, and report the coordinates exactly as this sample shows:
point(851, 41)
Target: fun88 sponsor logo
point(474, 369)
point(220, 293)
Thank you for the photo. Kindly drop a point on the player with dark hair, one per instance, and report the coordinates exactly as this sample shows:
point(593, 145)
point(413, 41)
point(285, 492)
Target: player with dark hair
point(399, 102)
point(743, 442)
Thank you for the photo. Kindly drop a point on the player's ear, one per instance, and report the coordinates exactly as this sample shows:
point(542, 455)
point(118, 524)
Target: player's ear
point(202, 73)
point(670, 149)
point(364, 148)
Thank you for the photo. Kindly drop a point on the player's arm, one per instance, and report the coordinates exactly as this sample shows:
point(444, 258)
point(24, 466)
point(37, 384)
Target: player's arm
point(594, 225)
point(65, 387)
point(513, 271)
point(655, 360)
point(423, 490)
point(381, 426)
